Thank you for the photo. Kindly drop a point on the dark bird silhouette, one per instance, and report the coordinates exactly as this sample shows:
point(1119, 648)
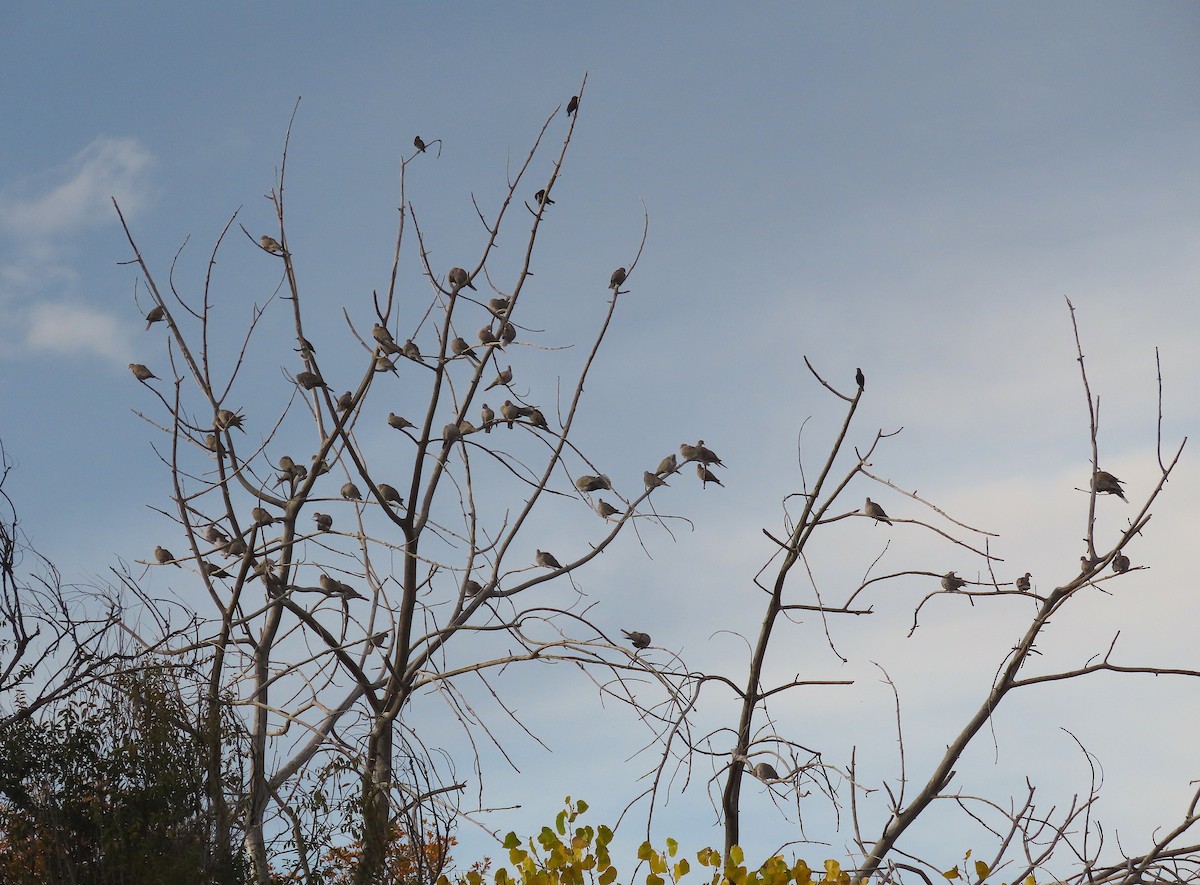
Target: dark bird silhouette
point(543, 198)
point(1104, 483)
point(860, 379)
point(1120, 563)
point(637, 638)
point(324, 521)
point(952, 582)
point(156, 315)
point(572, 105)
point(418, 143)
point(617, 278)
point(1023, 583)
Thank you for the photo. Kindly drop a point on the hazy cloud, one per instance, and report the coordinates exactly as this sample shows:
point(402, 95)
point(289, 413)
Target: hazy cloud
point(76, 329)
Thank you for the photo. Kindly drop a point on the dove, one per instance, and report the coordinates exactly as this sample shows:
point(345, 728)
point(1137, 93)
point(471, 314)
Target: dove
point(707, 476)
point(765, 771)
point(306, 348)
point(215, 536)
point(162, 556)
point(399, 423)
point(389, 493)
point(459, 278)
point(706, 455)
point(637, 638)
point(860, 379)
point(606, 510)
point(1120, 563)
point(210, 570)
point(537, 419)
point(261, 516)
point(351, 493)
point(320, 467)
point(499, 305)
point(502, 379)
point(488, 417)
point(451, 433)
point(1104, 482)
point(487, 336)
point(618, 277)
point(310, 380)
point(1023, 583)
point(472, 587)
point(334, 587)
point(379, 640)
point(411, 350)
point(652, 480)
point(156, 315)
point(465, 427)
point(270, 244)
point(287, 464)
point(461, 348)
point(235, 547)
point(324, 521)
point(546, 560)
point(381, 334)
point(383, 364)
point(952, 582)
point(211, 442)
point(226, 419)
point(874, 511)
point(688, 453)
point(572, 105)
point(345, 401)
point(508, 333)
point(140, 372)
point(543, 198)
point(667, 465)
point(589, 483)
point(510, 412)
point(418, 144)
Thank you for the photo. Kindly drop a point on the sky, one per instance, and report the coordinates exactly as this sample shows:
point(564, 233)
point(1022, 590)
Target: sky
point(913, 189)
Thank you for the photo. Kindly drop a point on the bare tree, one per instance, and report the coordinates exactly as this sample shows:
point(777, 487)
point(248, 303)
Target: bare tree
point(368, 551)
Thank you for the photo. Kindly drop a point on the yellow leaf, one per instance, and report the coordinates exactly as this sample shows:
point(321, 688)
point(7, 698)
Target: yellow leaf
point(801, 873)
point(832, 868)
point(682, 869)
point(735, 854)
point(581, 806)
point(981, 869)
point(608, 876)
point(654, 880)
point(1031, 881)
point(516, 855)
point(708, 857)
point(560, 823)
point(672, 846)
point(951, 874)
point(645, 851)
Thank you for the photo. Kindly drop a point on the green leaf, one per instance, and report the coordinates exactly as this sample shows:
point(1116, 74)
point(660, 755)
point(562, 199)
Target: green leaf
point(645, 851)
point(672, 846)
point(608, 876)
point(511, 841)
point(981, 870)
point(735, 855)
point(951, 874)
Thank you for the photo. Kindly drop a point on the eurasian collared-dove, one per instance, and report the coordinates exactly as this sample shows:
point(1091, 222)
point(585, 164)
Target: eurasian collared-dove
point(472, 587)
point(499, 305)
point(287, 464)
point(860, 379)
point(459, 347)
point(1105, 483)
point(1120, 563)
point(226, 419)
point(261, 516)
point(688, 452)
point(503, 378)
point(270, 244)
point(140, 372)
point(707, 476)
point(488, 416)
point(508, 333)
point(162, 556)
point(156, 315)
point(411, 350)
point(706, 455)
point(214, 535)
point(459, 278)
point(546, 560)
point(874, 511)
point(345, 401)
point(309, 380)
point(211, 570)
point(618, 277)
point(418, 144)
point(537, 419)
point(211, 442)
point(605, 509)
point(385, 339)
point(952, 582)
point(542, 198)
point(652, 480)
point(465, 427)
point(324, 521)
point(1023, 582)
point(487, 336)
point(383, 364)
point(765, 771)
point(379, 640)
point(350, 492)
point(588, 483)
point(397, 422)
point(637, 638)
point(234, 547)
point(389, 493)
point(320, 467)
point(573, 105)
point(667, 465)
point(451, 433)
point(334, 587)
point(510, 412)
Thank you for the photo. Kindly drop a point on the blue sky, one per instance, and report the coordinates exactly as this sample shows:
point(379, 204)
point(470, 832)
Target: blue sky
point(909, 188)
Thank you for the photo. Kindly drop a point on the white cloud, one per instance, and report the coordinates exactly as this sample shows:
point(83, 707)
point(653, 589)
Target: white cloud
point(108, 167)
point(76, 329)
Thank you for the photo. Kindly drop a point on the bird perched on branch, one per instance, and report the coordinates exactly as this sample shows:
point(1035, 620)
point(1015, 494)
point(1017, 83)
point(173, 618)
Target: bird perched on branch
point(384, 338)
point(637, 638)
point(508, 333)
point(488, 416)
point(350, 492)
point(510, 412)
point(667, 465)
point(383, 364)
point(451, 433)
point(156, 315)
point(459, 347)
point(543, 198)
point(546, 560)
point(458, 278)
point(310, 380)
point(874, 511)
point(226, 419)
point(418, 144)
point(388, 493)
point(952, 582)
point(487, 336)
point(1105, 483)
point(163, 556)
point(140, 372)
point(765, 771)
point(572, 105)
point(397, 422)
point(617, 278)
point(537, 419)
point(324, 521)
point(212, 570)
point(214, 535)
point(345, 401)
point(706, 455)
point(860, 379)
point(504, 378)
point(261, 516)
point(605, 509)
point(707, 476)
point(333, 587)
point(652, 480)
point(1120, 563)
point(270, 244)
point(411, 350)
point(589, 483)
point(1023, 583)
point(498, 305)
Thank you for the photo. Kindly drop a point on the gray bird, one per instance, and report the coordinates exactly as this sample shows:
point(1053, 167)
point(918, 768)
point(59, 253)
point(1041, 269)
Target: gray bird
point(383, 364)
point(215, 536)
point(140, 372)
point(543, 198)
point(606, 510)
point(707, 476)
point(537, 419)
point(488, 417)
point(156, 315)
point(688, 452)
point(1120, 563)
point(589, 483)
point(952, 582)
point(472, 587)
point(510, 412)
point(385, 339)
point(418, 144)
point(350, 492)
point(211, 442)
point(617, 278)
point(310, 380)
point(397, 422)
point(572, 105)
point(261, 516)
point(667, 465)
point(874, 511)
point(498, 305)
point(320, 467)
point(451, 433)
point(270, 244)
point(389, 493)
point(652, 480)
point(508, 333)
point(1105, 483)
point(637, 638)
point(333, 587)
point(706, 455)
point(860, 379)
point(487, 336)
point(502, 379)
point(411, 350)
point(162, 556)
point(461, 348)
point(1023, 583)
point(235, 547)
point(211, 570)
point(324, 521)
point(226, 419)
point(379, 640)
point(459, 278)
point(287, 464)
point(765, 771)
point(465, 427)
point(306, 347)
point(546, 560)
point(345, 401)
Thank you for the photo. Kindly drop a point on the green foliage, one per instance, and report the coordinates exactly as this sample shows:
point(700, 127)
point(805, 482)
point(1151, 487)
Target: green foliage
point(578, 855)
